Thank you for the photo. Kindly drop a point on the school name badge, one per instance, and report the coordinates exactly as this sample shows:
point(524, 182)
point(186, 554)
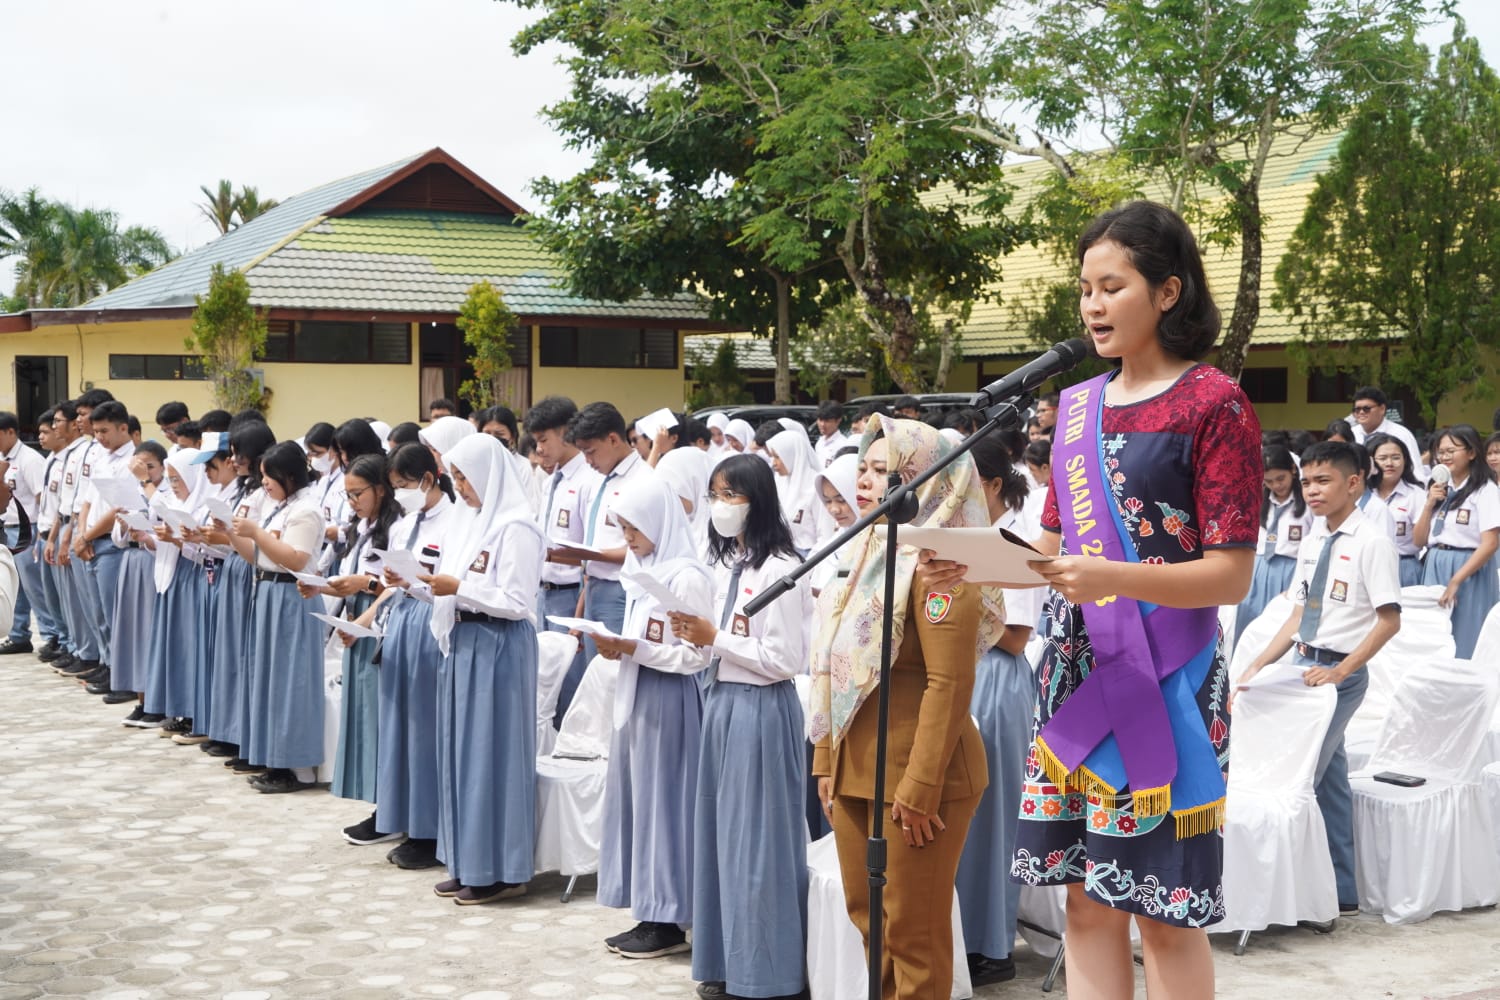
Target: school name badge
point(937, 606)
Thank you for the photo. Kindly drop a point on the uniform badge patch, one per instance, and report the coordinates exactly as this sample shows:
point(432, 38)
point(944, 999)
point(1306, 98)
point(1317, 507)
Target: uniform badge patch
point(1400, 529)
point(1462, 517)
point(1294, 532)
point(481, 562)
point(1339, 591)
point(798, 518)
point(655, 629)
point(740, 626)
point(937, 606)
point(563, 517)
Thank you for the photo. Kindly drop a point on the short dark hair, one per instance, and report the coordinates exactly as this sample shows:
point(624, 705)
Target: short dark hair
point(906, 403)
point(1038, 452)
point(829, 410)
point(133, 424)
point(994, 461)
point(94, 398)
point(250, 440)
point(767, 430)
point(1340, 429)
point(248, 415)
point(1372, 393)
point(110, 412)
point(692, 431)
point(443, 403)
point(215, 420)
point(871, 410)
point(766, 533)
point(8, 422)
point(286, 464)
point(1160, 246)
point(1051, 399)
point(502, 415)
point(67, 409)
point(1342, 455)
point(596, 422)
point(405, 432)
point(412, 461)
point(190, 429)
point(45, 417)
point(171, 413)
point(152, 448)
point(354, 438)
point(319, 435)
point(1299, 440)
point(552, 413)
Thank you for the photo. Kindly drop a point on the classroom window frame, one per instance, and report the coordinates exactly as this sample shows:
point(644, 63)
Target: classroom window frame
point(283, 337)
point(155, 368)
point(646, 348)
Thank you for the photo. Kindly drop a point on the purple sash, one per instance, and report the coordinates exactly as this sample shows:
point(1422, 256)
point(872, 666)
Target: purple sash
point(1136, 646)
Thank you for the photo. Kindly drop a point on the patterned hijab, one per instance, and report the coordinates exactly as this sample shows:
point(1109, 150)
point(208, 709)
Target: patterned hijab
point(846, 653)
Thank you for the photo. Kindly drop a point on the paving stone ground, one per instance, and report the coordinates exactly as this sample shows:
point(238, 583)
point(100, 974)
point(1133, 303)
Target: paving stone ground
point(133, 868)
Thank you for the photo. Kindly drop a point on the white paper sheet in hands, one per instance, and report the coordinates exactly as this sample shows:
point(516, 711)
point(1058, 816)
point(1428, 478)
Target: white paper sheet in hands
point(219, 511)
point(403, 563)
point(311, 579)
point(347, 627)
point(992, 556)
point(583, 625)
point(586, 550)
point(660, 592)
point(651, 423)
point(119, 491)
point(136, 522)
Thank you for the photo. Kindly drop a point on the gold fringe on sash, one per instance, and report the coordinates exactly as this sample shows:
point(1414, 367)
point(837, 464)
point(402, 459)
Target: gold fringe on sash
point(1152, 801)
point(1093, 784)
point(1200, 819)
point(1056, 772)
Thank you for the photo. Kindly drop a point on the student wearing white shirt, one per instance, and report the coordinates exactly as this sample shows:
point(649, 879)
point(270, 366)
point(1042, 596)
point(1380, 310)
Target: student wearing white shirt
point(830, 437)
point(598, 431)
point(85, 625)
point(1369, 417)
point(284, 708)
point(795, 466)
point(22, 471)
point(135, 606)
point(483, 620)
point(1396, 486)
point(646, 860)
point(1284, 520)
point(1460, 525)
point(406, 777)
point(58, 643)
point(1347, 591)
point(55, 553)
point(178, 645)
point(92, 541)
point(750, 839)
point(222, 485)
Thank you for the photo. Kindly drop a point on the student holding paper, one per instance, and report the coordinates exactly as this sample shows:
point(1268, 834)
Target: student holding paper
point(646, 858)
point(178, 640)
point(483, 620)
point(134, 608)
point(218, 499)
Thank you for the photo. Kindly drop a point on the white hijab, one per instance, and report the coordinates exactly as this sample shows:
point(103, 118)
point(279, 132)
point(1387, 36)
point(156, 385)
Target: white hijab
point(484, 462)
point(382, 430)
point(445, 432)
point(797, 488)
point(192, 476)
point(843, 474)
point(652, 508)
point(742, 432)
point(686, 471)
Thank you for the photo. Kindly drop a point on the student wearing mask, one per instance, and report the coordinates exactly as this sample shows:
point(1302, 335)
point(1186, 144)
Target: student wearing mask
point(483, 620)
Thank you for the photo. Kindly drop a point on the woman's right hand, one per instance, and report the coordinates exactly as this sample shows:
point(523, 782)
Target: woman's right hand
point(825, 798)
point(940, 574)
point(1436, 494)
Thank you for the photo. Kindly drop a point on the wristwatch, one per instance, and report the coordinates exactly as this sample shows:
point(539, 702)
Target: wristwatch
point(373, 586)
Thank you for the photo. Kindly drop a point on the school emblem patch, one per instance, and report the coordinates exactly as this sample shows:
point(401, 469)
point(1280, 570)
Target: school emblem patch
point(563, 517)
point(481, 562)
point(655, 629)
point(1462, 517)
point(740, 626)
point(937, 606)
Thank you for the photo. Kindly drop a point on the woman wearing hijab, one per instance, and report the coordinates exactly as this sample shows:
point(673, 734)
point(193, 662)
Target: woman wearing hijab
point(796, 467)
point(935, 768)
point(177, 638)
point(686, 471)
point(443, 434)
point(646, 863)
point(483, 620)
point(738, 437)
point(717, 422)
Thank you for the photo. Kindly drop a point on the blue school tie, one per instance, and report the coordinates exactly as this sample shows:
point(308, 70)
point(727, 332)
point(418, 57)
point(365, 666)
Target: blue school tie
point(416, 529)
point(557, 478)
point(711, 675)
point(1313, 612)
point(1364, 498)
point(594, 510)
point(1269, 549)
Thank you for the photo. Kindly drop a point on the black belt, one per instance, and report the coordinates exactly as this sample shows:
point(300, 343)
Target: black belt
point(1452, 548)
point(66, 520)
point(559, 586)
point(132, 545)
point(477, 616)
point(263, 575)
point(1319, 655)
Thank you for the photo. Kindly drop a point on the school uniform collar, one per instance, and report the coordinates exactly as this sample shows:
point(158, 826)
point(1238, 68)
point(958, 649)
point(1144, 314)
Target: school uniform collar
point(572, 466)
point(10, 457)
point(1350, 524)
point(120, 452)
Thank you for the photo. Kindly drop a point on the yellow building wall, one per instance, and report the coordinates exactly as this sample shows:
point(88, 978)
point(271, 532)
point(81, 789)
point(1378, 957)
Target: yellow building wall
point(634, 391)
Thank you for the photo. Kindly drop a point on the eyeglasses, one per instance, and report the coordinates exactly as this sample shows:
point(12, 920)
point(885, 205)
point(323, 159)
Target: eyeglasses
point(1367, 408)
point(1452, 452)
point(356, 494)
point(728, 496)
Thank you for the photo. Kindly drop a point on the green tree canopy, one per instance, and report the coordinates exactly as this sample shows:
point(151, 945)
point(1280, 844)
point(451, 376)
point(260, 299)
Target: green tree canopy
point(1400, 244)
point(70, 255)
point(487, 323)
point(231, 337)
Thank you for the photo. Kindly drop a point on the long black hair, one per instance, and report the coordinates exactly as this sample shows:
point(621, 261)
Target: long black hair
point(1480, 472)
point(319, 435)
point(250, 440)
point(994, 461)
point(1374, 442)
point(372, 469)
point(354, 438)
point(1276, 458)
point(766, 533)
point(413, 461)
point(286, 465)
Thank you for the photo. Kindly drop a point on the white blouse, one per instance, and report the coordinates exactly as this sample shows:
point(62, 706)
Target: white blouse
point(771, 646)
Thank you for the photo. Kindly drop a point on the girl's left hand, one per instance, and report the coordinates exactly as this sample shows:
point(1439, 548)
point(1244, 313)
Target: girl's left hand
point(917, 829)
point(692, 629)
point(1450, 595)
point(442, 585)
point(347, 586)
point(613, 649)
point(1079, 579)
point(244, 527)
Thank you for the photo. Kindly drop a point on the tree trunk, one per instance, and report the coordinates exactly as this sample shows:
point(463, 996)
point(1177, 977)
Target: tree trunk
point(945, 357)
point(1236, 342)
point(783, 386)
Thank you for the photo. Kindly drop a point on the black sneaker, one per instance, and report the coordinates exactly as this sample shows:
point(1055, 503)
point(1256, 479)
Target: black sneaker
point(118, 697)
point(218, 748)
point(96, 676)
point(478, 895)
point(62, 662)
point(414, 855)
point(98, 687)
point(49, 652)
point(240, 765)
point(986, 971)
point(713, 990)
point(10, 646)
point(279, 781)
point(151, 720)
point(365, 832)
point(135, 716)
point(614, 941)
point(172, 727)
point(76, 667)
point(653, 940)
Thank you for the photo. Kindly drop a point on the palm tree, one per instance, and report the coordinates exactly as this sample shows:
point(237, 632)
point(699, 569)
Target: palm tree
point(220, 206)
point(86, 254)
point(26, 225)
point(248, 204)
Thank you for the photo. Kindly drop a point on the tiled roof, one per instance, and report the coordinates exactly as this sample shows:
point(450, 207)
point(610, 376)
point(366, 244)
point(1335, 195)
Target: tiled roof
point(425, 261)
point(176, 284)
point(751, 353)
point(997, 328)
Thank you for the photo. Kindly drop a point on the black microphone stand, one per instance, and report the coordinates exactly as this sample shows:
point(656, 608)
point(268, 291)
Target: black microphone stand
point(898, 507)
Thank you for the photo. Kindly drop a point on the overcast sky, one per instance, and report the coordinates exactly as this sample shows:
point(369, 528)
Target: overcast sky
point(133, 106)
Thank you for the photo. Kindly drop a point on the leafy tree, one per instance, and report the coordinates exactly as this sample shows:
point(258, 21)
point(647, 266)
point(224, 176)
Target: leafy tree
point(231, 337)
point(68, 255)
point(720, 381)
point(1400, 244)
point(487, 323)
point(26, 228)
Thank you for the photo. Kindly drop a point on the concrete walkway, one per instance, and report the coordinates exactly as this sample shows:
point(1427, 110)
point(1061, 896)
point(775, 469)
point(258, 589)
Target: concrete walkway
point(131, 867)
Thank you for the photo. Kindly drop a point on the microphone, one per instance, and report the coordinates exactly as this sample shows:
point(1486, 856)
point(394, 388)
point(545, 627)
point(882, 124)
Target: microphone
point(1442, 475)
point(1062, 357)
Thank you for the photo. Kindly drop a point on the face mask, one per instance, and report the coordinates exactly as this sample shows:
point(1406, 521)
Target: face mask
point(323, 463)
point(729, 518)
point(410, 498)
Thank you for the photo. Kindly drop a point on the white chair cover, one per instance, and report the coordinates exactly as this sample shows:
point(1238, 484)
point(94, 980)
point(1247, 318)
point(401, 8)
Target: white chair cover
point(1276, 864)
point(1490, 779)
point(1426, 635)
point(1046, 906)
point(555, 651)
point(570, 792)
point(836, 967)
point(1487, 651)
point(1258, 635)
point(1420, 850)
point(333, 715)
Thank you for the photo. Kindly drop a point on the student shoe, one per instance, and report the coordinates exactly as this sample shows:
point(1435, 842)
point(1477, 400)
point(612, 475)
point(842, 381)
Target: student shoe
point(1348, 909)
point(415, 854)
point(98, 687)
point(118, 697)
point(76, 667)
point(476, 895)
point(172, 727)
point(49, 652)
point(715, 990)
point(218, 748)
point(94, 676)
point(135, 716)
point(10, 646)
point(365, 832)
point(448, 888)
point(151, 720)
point(279, 781)
point(189, 739)
point(985, 971)
point(62, 662)
point(653, 940)
point(614, 941)
point(240, 765)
